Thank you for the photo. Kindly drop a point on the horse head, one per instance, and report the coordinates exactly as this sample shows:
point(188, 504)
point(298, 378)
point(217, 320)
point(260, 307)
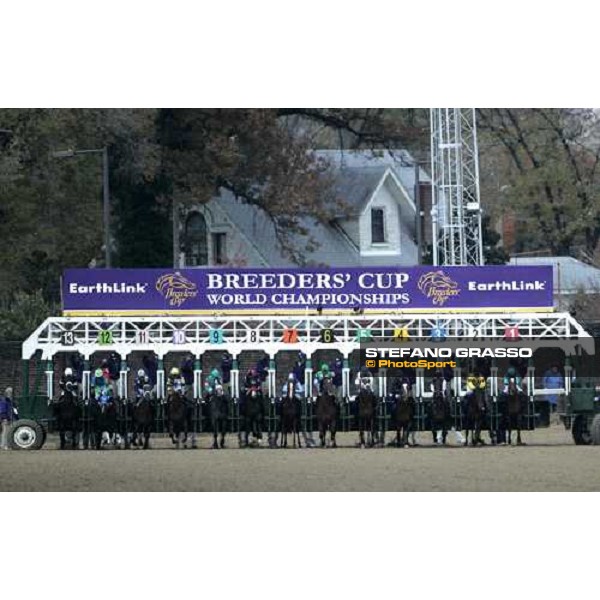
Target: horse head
point(327, 387)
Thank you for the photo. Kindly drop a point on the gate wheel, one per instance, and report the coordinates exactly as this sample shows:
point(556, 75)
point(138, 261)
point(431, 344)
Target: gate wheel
point(581, 432)
point(595, 430)
point(25, 434)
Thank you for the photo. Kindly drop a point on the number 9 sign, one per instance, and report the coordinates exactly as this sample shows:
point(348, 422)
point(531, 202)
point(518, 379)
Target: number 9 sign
point(216, 336)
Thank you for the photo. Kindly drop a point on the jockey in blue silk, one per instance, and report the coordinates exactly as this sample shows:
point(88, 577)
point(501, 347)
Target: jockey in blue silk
point(511, 373)
point(213, 379)
point(175, 382)
point(140, 381)
point(298, 390)
point(300, 369)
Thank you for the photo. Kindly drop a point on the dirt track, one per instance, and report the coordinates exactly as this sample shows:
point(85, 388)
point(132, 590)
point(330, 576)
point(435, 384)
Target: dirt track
point(550, 462)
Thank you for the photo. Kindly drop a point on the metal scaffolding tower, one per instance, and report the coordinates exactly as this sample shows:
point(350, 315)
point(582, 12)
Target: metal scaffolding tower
point(456, 208)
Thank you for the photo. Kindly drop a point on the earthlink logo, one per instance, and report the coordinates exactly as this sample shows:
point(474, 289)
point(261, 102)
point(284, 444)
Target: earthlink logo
point(176, 288)
point(438, 286)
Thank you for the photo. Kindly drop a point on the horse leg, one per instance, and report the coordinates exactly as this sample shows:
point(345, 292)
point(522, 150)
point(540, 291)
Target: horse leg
point(406, 434)
point(223, 425)
point(519, 441)
point(215, 437)
point(333, 431)
point(75, 439)
point(63, 439)
point(361, 435)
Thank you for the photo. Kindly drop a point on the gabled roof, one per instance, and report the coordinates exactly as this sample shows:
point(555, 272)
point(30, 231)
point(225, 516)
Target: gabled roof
point(400, 161)
point(259, 230)
point(570, 275)
point(357, 174)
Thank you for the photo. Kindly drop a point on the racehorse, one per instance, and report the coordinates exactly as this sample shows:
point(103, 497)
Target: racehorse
point(177, 417)
point(253, 410)
point(440, 416)
point(326, 412)
point(219, 415)
point(514, 410)
point(291, 411)
point(403, 414)
point(475, 416)
point(142, 415)
point(67, 413)
point(367, 413)
point(101, 417)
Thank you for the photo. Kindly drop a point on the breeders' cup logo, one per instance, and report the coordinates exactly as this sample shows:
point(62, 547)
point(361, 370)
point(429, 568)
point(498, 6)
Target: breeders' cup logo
point(438, 286)
point(176, 288)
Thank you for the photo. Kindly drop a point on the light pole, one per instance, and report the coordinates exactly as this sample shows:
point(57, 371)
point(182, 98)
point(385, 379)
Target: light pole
point(105, 192)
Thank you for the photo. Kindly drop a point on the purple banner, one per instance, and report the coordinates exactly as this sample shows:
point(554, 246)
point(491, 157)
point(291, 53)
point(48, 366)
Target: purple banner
point(188, 291)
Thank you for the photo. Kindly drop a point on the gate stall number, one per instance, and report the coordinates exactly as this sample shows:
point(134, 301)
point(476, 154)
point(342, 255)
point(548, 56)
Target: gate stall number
point(216, 336)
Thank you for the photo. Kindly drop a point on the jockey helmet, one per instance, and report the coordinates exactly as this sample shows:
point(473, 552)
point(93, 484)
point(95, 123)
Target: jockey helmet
point(291, 377)
point(511, 371)
point(174, 372)
point(141, 373)
point(301, 355)
point(98, 372)
point(215, 373)
point(218, 389)
point(252, 373)
point(68, 372)
point(325, 367)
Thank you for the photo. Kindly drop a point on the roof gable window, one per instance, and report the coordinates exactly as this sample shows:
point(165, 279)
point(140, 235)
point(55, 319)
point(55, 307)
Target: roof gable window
point(196, 246)
point(378, 226)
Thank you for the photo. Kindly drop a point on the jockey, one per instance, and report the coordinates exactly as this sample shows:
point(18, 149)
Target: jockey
point(337, 379)
point(175, 382)
point(511, 373)
point(439, 383)
point(297, 387)
point(187, 370)
point(68, 382)
point(103, 391)
point(140, 381)
point(99, 383)
point(364, 380)
point(475, 382)
point(212, 381)
point(226, 366)
point(262, 368)
point(252, 379)
point(300, 370)
point(320, 375)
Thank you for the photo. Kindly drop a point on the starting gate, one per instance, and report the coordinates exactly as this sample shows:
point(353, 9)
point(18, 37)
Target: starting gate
point(274, 333)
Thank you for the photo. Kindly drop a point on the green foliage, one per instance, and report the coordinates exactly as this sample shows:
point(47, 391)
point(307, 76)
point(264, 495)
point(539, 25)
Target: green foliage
point(541, 164)
point(22, 314)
